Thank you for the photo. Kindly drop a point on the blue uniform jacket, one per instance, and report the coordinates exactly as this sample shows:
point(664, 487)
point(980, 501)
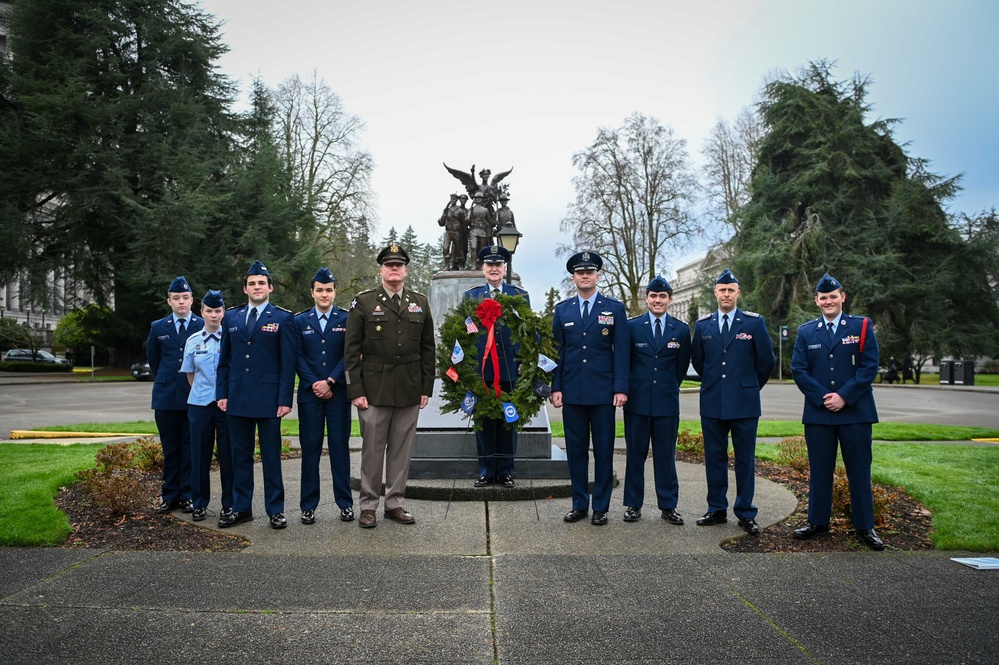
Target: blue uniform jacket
point(256, 371)
point(165, 353)
point(505, 348)
point(820, 366)
point(732, 373)
point(320, 354)
point(657, 370)
point(592, 359)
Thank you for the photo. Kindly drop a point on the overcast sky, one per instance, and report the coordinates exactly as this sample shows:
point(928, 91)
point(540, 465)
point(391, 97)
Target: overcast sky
point(526, 84)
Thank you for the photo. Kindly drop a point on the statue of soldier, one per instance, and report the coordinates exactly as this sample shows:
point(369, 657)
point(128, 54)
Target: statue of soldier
point(462, 213)
point(452, 226)
point(504, 215)
point(482, 221)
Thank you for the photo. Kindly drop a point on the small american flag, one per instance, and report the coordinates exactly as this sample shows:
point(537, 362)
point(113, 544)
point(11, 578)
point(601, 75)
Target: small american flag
point(470, 325)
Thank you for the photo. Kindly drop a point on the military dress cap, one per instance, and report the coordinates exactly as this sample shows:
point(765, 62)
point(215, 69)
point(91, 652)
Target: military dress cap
point(393, 253)
point(463, 197)
point(257, 268)
point(494, 254)
point(658, 285)
point(179, 285)
point(584, 261)
point(504, 197)
point(213, 299)
point(827, 284)
point(726, 277)
point(324, 276)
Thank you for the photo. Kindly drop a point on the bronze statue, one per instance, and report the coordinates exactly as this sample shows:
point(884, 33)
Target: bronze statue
point(481, 221)
point(480, 224)
point(489, 189)
point(454, 219)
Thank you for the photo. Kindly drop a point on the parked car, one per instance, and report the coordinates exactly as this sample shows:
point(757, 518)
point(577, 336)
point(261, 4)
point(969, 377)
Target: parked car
point(25, 356)
point(141, 372)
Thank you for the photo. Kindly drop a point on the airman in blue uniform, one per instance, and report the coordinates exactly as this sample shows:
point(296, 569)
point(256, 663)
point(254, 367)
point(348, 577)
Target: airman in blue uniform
point(835, 361)
point(322, 397)
point(734, 355)
point(209, 429)
point(255, 387)
point(496, 443)
point(591, 381)
point(660, 353)
point(165, 352)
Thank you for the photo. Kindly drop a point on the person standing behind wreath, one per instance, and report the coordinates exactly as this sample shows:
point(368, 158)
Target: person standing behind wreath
point(209, 430)
point(834, 363)
point(165, 353)
point(322, 397)
point(389, 369)
point(734, 355)
point(660, 353)
point(255, 387)
point(496, 443)
point(590, 382)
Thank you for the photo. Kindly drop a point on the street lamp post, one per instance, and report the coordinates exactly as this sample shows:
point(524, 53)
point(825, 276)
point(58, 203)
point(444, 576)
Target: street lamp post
point(508, 237)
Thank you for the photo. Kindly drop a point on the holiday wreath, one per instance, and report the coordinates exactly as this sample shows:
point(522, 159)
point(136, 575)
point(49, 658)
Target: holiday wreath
point(460, 368)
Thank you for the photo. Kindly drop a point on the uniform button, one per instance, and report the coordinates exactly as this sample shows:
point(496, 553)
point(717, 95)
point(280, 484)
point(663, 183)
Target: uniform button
point(247, 356)
point(324, 353)
point(247, 369)
point(723, 376)
point(584, 361)
point(833, 382)
point(584, 334)
point(653, 382)
point(830, 355)
point(249, 343)
point(724, 350)
point(723, 363)
point(655, 369)
point(584, 347)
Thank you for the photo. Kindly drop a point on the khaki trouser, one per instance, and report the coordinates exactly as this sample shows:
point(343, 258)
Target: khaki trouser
point(387, 434)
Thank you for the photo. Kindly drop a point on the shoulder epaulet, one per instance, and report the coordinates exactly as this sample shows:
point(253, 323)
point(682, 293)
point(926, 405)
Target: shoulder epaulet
point(417, 293)
point(519, 289)
point(234, 307)
point(469, 290)
point(565, 300)
point(705, 317)
point(613, 299)
point(635, 318)
point(303, 311)
point(752, 314)
point(855, 316)
point(288, 311)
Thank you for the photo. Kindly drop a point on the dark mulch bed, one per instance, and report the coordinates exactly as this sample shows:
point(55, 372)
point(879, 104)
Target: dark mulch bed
point(906, 525)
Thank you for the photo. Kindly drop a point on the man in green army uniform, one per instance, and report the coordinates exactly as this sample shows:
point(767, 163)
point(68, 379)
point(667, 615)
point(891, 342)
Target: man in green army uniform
point(389, 369)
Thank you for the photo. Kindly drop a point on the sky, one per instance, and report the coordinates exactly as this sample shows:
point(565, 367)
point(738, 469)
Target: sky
point(526, 84)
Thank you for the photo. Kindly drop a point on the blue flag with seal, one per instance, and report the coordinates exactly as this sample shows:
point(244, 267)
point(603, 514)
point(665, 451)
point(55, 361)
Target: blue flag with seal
point(468, 404)
point(510, 412)
point(457, 354)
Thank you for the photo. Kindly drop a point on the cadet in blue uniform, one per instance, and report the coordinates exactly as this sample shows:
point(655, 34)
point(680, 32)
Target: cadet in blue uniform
point(255, 387)
point(208, 425)
point(734, 355)
point(165, 352)
point(834, 363)
point(496, 444)
point(591, 381)
point(660, 353)
point(322, 397)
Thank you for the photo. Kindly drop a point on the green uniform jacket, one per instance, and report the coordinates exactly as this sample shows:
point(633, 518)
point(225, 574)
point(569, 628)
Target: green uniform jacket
point(389, 353)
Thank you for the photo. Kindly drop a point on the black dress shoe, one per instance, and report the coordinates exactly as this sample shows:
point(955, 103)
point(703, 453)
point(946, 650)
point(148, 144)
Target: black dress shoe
point(598, 518)
point(672, 516)
point(278, 521)
point(710, 518)
point(632, 514)
point(506, 480)
point(199, 514)
point(347, 514)
point(187, 506)
point(749, 525)
point(308, 517)
point(870, 538)
point(234, 518)
point(810, 531)
point(483, 481)
point(575, 515)
point(167, 506)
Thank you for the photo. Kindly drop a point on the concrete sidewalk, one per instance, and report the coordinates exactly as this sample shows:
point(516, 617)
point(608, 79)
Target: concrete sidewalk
point(496, 582)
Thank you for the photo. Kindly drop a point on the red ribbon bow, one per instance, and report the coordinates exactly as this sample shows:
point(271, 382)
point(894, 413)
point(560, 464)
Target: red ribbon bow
point(489, 312)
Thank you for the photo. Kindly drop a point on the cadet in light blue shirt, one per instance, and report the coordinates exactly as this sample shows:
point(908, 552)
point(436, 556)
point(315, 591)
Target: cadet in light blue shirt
point(208, 421)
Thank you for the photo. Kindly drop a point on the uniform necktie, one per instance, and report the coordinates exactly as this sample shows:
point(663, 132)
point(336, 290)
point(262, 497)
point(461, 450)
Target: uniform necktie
point(659, 331)
point(725, 327)
point(251, 320)
point(322, 323)
point(495, 292)
point(586, 310)
point(395, 300)
point(183, 327)
point(832, 331)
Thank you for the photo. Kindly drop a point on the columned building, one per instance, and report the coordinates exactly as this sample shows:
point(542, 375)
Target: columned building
point(693, 284)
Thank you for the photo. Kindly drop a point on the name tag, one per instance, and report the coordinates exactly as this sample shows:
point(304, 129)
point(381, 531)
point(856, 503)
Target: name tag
point(336, 330)
point(640, 345)
point(233, 328)
point(568, 324)
point(815, 346)
point(378, 312)
point(308, 331)
point(198, 353)
point(163, 337)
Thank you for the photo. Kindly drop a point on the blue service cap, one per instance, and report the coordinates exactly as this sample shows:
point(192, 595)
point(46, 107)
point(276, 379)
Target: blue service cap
point(658, 285)
point(827, 284)
point(257, 268)
point(494, 254)
point(213, 299)
point(179, 285)
point(584, 261)
point(726, 277)
point(324, 276)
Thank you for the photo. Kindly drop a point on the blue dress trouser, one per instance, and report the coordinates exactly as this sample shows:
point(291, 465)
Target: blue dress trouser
point(855, 442)
point(580, 422)
point(639, 431)
point(209, 429)
point(241, 431)
point(716, 463)
point(175, 437)
point(333, 417)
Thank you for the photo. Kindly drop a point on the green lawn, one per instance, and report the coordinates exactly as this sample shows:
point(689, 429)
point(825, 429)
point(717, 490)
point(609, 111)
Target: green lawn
point(32, 475)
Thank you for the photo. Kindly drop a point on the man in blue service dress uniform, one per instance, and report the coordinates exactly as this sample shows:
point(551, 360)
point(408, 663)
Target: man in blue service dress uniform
point(255, 387)
point(322, 397)
point(591, 381)
point(734, 355)
point(834, 363)
point(165, 352)
point(208, 424)
point(496, 444)
point(660, 353)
